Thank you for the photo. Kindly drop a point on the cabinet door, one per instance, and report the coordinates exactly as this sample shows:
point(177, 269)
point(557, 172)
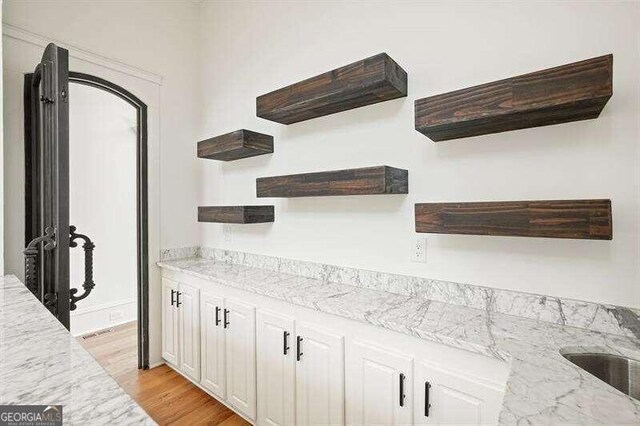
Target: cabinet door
point(169, 322)
point(380, 386)
point(241, 356)
point(212, 335)
point(189, 310)
point(445, 397)
point(319, 377)
point(276, 369)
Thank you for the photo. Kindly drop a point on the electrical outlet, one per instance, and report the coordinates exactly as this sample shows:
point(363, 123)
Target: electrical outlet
point(419, 250)
point(115, 315)
point(226, 230)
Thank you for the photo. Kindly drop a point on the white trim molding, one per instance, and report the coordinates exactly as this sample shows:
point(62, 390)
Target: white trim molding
point(77, 52)
point(99, 317)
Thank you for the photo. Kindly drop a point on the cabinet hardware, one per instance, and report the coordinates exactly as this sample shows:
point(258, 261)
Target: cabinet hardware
point(285, 342)
point(427, 405)
point(402, 389)
point(299, 348)
point(178, 302)
point(173, 292)
point(217, 316)
point(226, 321)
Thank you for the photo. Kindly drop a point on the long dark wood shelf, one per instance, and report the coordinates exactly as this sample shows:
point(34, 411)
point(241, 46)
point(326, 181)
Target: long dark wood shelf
point(363, 181)
point(236, 214)
point(369, 81)
point(235, 145)
point(578, 219)
point(577, 91)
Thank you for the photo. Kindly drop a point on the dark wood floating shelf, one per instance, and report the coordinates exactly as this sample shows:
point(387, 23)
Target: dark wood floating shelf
point(577, 91)
point(364, 181)
point(369, 81)
point(236, 214)
point(235, 145)
point(578, 219)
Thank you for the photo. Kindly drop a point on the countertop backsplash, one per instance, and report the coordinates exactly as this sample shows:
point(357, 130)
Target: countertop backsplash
point(569, 312)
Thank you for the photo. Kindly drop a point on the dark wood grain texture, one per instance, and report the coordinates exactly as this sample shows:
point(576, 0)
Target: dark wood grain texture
point(578, 219)
point(363, 181)
point(235, 145)
point(369, 81)
point(577, 91)
point(236, 214)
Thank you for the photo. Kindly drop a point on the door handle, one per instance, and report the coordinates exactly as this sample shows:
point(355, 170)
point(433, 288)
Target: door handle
point(427, 405)
point(217, 316)
point(402, 377)
point(88, 284)
point(226, 320)
point(31, 256)
point(178, 302)
point(299, 352)
point(173, 292)
point(285, 342)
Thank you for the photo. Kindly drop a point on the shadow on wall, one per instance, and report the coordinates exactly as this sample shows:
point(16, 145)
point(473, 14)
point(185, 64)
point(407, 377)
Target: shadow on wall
point(367, 205)
point(536, 248)
point(370, 115)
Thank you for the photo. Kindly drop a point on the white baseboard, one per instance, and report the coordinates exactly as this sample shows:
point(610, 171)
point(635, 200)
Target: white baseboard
point(103, 316)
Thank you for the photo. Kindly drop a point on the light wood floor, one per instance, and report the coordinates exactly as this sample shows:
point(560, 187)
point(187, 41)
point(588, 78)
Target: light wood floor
point(165, 395)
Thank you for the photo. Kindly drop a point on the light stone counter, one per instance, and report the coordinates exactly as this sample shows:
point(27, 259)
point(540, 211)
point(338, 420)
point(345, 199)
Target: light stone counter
point(543, 387)
point(42, 364)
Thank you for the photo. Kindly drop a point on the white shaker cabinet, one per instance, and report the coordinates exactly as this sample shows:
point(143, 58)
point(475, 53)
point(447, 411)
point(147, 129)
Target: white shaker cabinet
point(380, 387)
point(170, 342)
point(188, 306)
point(276, 369)
point(212, 343)
point(239, 320)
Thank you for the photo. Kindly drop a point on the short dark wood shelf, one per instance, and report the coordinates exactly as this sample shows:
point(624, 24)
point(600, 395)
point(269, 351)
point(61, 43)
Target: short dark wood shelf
point(578, 219)
point(235, 145)
point(236, 214)
point(577, 91)
point(369, 81)
point(363, 181)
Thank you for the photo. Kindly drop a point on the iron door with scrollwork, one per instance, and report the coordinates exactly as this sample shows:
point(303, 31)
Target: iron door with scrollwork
point(47, 229)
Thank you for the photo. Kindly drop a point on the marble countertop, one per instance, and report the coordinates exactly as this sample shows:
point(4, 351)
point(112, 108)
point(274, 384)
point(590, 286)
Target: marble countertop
point(542, 388)
point(42, 364)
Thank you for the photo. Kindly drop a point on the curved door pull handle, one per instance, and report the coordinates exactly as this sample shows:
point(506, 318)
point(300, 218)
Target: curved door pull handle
point(31, 258)
point(88, 285)
point(173, 293)
point(285, 342)
point(217, 316)
point(402, 377)
point(178, 302)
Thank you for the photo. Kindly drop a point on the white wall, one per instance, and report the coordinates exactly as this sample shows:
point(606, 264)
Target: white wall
point(251, 48)
point(102, 189)
point(155, 36)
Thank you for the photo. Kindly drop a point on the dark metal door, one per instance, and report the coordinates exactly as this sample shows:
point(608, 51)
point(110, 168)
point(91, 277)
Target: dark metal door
point(47, 182)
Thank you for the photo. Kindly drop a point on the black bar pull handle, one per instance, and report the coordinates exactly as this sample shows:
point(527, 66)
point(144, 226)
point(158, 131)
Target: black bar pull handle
point(178, 302)
point(226, 318)
point(299, 348)
point(173, 293)
point(427, 405)
point(285, 342)
point(402, 377)
point(218, 315)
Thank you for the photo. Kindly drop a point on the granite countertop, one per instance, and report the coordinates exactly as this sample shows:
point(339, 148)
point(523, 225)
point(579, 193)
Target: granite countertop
point(42, 364)
point(542, 388)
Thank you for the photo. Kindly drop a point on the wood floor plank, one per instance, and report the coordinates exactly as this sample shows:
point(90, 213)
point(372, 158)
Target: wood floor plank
point(164, 394)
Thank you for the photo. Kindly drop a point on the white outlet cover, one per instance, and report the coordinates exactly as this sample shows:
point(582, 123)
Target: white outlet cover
point(419, 250)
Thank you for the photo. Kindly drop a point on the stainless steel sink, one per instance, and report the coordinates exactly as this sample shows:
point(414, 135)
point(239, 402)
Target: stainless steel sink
point(620, 372)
